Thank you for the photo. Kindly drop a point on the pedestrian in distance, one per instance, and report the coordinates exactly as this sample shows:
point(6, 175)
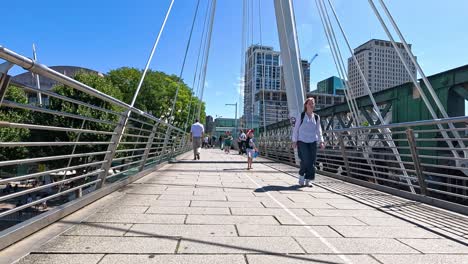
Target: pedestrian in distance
point(242, 141)
point(196, 134)
point(307, 134)
point(251, 149)
point(227, 142)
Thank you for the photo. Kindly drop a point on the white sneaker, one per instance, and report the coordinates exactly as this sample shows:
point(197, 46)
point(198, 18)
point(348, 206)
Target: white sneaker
point(301, 180)
point(308, 183)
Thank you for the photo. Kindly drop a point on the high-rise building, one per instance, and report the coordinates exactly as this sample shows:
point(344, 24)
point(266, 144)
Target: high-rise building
point(265, 100)
point(381, 67)
point(306, 75)
point(262, 87)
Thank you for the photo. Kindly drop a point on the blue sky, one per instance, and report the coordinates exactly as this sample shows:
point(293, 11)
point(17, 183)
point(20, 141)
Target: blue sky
point(105, 35)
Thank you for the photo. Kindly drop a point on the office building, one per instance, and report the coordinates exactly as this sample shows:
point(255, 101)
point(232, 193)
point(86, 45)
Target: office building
point(262, 87)
point(381, 67)
point(265, 100)
point(332, 85)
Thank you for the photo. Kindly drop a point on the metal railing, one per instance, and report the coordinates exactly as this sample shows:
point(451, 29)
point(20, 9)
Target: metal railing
point(364, 155)
point(80, 142)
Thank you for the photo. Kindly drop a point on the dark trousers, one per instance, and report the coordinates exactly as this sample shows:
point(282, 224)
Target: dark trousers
point(308, 155)
point(242, 147)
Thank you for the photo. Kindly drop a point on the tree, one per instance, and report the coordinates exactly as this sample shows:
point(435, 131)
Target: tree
point(157, 94)
point(13, 115)
point(99, 83)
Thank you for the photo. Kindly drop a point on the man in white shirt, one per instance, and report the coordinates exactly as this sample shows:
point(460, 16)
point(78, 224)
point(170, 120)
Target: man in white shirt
point(196, 133)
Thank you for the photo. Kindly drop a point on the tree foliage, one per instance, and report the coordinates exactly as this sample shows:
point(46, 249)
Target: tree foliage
point(13, 115)
point(157, 94)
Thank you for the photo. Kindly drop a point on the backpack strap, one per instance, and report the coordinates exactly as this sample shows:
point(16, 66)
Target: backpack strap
point(303, 115)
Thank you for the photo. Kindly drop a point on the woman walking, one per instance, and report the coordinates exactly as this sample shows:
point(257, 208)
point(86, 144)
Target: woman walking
point(251, 148)
point(306, 135)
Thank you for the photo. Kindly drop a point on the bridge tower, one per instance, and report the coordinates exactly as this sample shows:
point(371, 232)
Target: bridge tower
point(289, 48)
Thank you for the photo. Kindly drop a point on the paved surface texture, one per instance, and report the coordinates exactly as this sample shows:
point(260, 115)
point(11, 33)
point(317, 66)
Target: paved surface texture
point(216, 211)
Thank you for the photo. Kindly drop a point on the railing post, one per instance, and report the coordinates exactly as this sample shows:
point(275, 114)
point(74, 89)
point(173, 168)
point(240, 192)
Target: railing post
point(416, 161)
point(112, 148)
point(4, 82)
point(343, 152)
point(148, 147)
point(166, 139)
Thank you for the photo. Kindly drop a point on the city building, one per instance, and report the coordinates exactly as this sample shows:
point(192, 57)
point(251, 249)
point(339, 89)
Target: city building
point(332, 85)
point(262, 87)
point(209, 124)
point(223, 125)
point(381, 67)
point(265, 100)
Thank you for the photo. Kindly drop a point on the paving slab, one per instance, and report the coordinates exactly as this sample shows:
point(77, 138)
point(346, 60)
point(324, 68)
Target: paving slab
point(173, 259)
point(173, 197)
point(85, 244)
point(268, 211)
point(422, 259)
point(125, 209)
point(384, 232)
point(182, 230)
point(338, 212)
point(284, 231)
point(230, 219)
point(98, 229)
point(308, 259)
point(61, 259)
point(135, 218)
point(225, 204)
point(436, 246)
point(226, 245)
point(189, 210)
point(320, 220)
point(355, 246)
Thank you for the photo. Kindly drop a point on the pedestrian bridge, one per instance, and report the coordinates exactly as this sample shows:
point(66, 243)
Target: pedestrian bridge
point(87, 178)
point(215, 211)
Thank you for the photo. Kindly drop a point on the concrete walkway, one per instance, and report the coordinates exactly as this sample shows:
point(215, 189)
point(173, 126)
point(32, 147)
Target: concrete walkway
point(216, 211)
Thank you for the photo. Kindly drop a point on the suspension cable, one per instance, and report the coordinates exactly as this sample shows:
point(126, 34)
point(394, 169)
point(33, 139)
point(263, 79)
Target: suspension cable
point(376, 109)
point(212, 16)
point(197, 65)
point(242, 78)
point(366, 84)
point(338, 68)
point(183, 62)
point(263, 67)
point(413, 79)
point(151, 55)
point(343, 67)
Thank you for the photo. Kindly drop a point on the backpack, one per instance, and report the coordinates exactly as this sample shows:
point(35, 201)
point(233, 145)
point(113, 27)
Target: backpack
point(303, 115)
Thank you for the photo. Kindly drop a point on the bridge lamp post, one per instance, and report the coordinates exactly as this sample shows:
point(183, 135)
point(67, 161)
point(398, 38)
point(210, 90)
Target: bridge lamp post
point(235, 118)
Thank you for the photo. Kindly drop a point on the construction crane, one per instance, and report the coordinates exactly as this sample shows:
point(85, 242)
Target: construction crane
point(313, 58)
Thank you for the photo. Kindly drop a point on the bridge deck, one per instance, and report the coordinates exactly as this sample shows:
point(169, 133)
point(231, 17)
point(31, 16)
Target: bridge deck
point(215, 211)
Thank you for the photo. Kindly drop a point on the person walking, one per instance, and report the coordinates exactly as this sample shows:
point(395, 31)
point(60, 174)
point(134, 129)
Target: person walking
point(242, 141)
point(227, 142)
point(306, 135)
point(196, 134)
point(251, 148)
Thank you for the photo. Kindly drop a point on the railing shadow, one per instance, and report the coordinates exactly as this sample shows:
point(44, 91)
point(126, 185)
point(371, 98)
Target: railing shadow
point(273, 188)
point(178, 238)
point(454, 227)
